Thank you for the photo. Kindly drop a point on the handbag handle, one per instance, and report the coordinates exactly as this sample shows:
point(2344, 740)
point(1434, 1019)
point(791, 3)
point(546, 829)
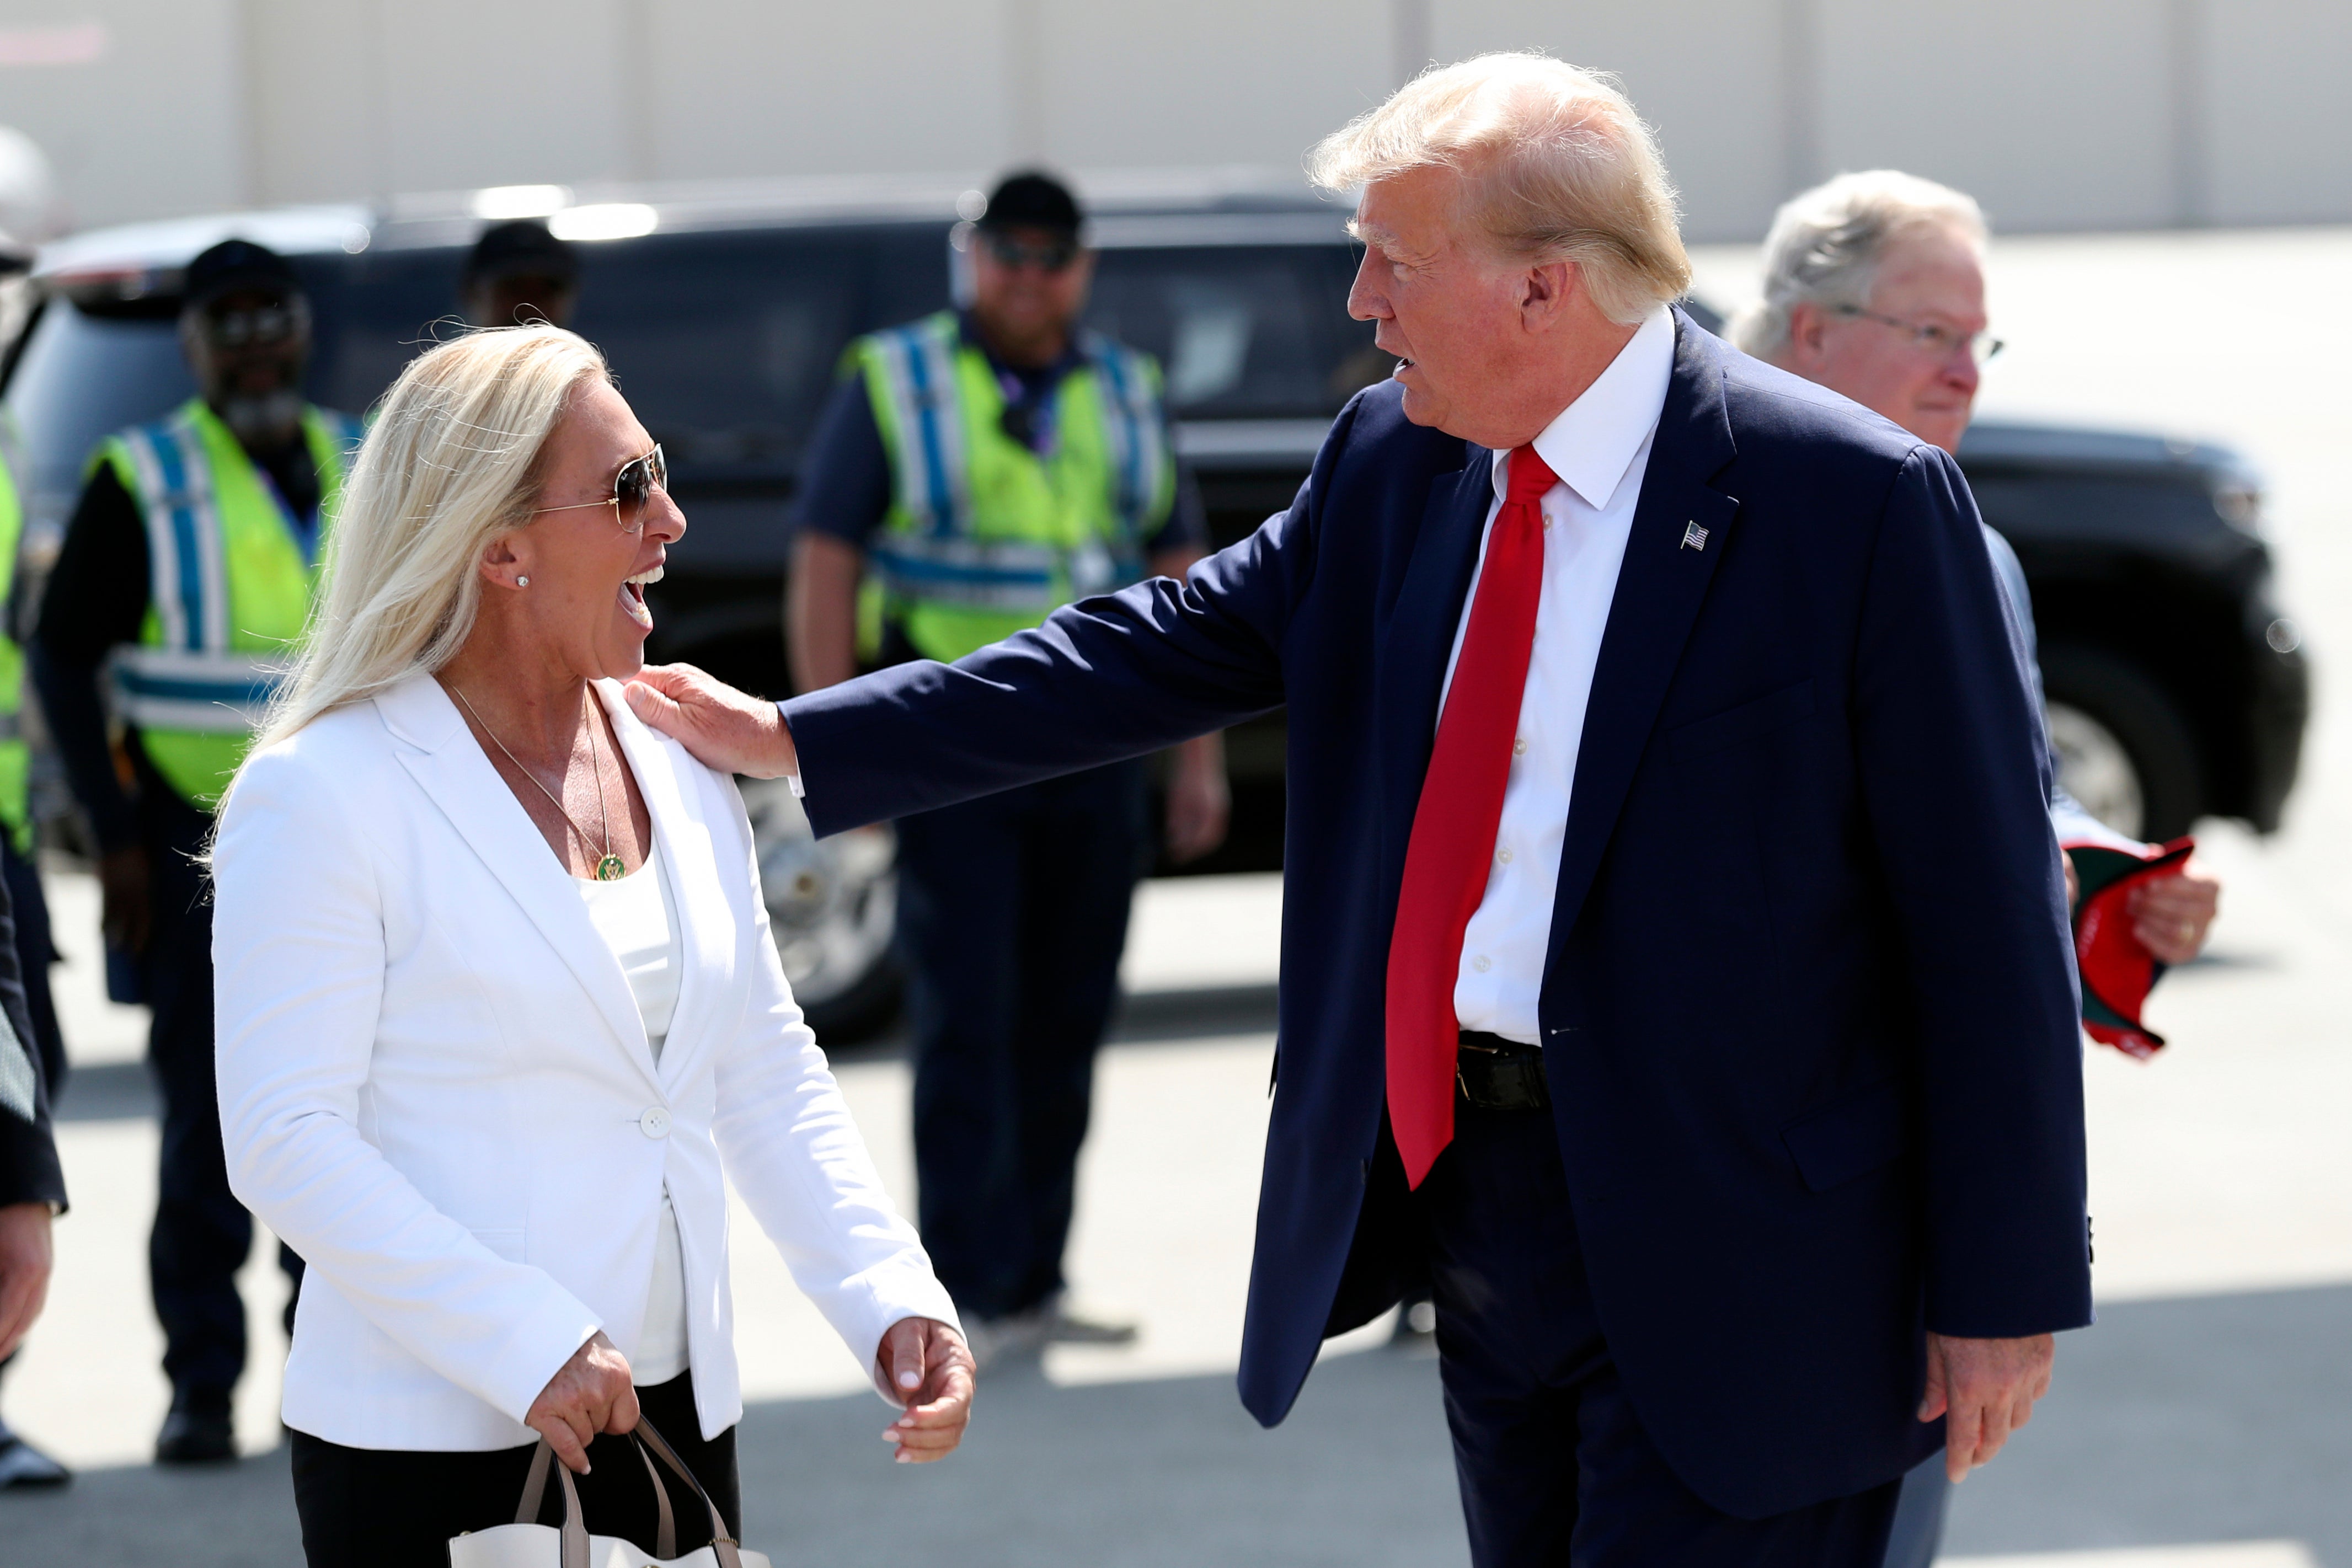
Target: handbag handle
point(650, 1445)
point(723, 1546)
point(573, 1552)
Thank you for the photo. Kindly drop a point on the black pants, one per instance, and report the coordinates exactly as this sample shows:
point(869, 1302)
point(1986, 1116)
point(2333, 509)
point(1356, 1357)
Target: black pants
point(1011, 917)
point(202, 1234)
point(397, 1508)
point(1554, 1466)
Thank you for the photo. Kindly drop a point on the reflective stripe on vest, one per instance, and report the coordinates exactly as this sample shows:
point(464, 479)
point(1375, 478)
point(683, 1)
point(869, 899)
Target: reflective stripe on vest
point(1008, 571)
point(918, 368)
point(201, 692)
point(228, 588)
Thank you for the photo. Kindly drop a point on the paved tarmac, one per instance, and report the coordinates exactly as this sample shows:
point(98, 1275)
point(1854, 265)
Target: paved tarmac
point(2203, 1424)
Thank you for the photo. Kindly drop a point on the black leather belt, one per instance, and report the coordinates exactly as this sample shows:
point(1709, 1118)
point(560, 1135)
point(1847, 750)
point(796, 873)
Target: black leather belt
point(1498, 1074)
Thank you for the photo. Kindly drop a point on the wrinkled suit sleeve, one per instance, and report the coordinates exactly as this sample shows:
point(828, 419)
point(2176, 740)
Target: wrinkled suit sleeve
point(1944, 709)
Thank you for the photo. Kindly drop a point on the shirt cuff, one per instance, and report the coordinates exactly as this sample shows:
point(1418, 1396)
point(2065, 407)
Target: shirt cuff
point(794, 777)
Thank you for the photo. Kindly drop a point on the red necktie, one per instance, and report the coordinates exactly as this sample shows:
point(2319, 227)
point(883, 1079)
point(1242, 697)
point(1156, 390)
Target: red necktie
point(1453, 828)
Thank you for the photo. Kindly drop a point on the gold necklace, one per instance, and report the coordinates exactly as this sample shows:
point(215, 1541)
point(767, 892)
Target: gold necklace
point(609, 868)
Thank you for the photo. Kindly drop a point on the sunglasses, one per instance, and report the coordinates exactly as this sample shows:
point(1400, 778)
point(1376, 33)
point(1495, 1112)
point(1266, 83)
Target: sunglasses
point(261, 326)
point(1054, 255)
point(633, 487)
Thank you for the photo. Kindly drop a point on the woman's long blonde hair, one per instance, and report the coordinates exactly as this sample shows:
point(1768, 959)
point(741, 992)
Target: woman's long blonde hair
point(450, 462)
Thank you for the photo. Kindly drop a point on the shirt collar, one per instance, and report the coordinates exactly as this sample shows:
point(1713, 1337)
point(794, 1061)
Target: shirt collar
point(1592, 442)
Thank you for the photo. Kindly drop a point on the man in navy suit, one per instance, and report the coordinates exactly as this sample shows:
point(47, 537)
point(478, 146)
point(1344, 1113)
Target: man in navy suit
point(1674, 949)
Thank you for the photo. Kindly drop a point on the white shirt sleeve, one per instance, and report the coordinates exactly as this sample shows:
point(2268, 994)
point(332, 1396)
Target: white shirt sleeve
point(794, 777)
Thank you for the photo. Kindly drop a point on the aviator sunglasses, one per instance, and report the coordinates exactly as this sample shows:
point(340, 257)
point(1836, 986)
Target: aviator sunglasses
point(633, 486)
point(1010, 253)
point(262, 326)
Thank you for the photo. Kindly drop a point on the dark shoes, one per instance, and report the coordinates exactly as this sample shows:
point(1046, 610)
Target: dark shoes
point(23, 1465)
point(198, 1431)
point(1064, 1326)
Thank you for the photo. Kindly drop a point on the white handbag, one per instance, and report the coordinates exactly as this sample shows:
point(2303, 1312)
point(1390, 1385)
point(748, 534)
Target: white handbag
point(526, 1543)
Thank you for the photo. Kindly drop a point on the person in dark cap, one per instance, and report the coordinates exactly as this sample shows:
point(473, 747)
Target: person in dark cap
point(519, 272)
point(974, 471)
point(187, 570)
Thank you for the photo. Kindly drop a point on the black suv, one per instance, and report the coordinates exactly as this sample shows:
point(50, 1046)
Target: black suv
point(2176, 688)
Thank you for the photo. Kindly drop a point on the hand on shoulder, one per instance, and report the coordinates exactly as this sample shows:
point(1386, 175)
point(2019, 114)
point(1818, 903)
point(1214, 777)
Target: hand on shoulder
point(725, 729)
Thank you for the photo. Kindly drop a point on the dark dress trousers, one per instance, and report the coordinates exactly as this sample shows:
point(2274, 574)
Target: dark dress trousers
point(1808, 1015)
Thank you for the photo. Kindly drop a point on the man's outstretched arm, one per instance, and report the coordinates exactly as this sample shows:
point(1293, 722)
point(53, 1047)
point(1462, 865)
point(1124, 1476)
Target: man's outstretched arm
point(1102, 680)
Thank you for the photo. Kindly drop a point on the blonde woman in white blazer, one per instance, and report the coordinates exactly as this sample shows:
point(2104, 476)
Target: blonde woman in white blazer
point(498, 1004)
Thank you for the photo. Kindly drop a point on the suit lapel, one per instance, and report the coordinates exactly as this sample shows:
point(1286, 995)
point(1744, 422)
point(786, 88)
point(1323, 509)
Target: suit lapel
point(1418, 633)
point(1660, 588)
point(451, 769)
point(707, 937)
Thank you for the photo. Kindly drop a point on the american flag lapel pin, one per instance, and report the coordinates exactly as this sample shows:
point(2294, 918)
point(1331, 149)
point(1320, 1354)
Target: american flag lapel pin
point(1693, 536)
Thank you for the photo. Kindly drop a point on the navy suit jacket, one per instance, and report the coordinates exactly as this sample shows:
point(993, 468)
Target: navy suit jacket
point(1809, 1015)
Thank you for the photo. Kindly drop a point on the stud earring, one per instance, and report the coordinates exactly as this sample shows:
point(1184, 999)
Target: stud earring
point(522, 582)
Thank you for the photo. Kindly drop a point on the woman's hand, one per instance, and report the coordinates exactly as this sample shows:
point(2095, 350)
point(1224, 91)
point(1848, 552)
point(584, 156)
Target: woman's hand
point(589, 1394)
point(926, 1364)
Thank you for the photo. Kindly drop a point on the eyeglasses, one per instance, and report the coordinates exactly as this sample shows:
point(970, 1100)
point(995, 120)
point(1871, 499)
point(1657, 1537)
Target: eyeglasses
point(1930, 338)
point(259, 326)
point(1051, 256)
point(633, 487)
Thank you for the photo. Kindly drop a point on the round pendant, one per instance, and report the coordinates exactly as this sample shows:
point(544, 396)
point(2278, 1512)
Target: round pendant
point(610, 869)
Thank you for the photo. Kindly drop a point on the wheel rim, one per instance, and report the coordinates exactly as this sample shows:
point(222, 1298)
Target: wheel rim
point(2096, 768)
point(832, 904)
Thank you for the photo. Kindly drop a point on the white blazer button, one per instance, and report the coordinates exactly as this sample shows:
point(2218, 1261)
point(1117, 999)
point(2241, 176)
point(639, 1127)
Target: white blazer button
point(654, 1123)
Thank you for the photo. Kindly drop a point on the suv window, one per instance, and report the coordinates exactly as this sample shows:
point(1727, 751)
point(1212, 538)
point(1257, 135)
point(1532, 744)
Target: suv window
point(727, 343)
point(1241, 331)
point(79, 377)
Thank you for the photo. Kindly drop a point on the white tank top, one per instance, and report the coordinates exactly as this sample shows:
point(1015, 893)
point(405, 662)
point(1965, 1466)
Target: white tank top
point(637, 917)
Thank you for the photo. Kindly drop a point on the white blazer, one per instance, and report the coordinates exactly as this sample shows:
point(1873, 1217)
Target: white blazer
point(434, 1084)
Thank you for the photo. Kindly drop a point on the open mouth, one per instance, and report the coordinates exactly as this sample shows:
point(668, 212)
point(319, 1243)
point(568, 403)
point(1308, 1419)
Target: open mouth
point(633, 596)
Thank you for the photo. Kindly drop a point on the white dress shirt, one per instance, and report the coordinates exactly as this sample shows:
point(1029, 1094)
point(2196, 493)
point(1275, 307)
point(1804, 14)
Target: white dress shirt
point(1598, 446)
point(637, 917)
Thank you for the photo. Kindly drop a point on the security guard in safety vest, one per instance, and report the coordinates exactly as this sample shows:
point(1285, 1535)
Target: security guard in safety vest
point(974, 472)
point(185, 575)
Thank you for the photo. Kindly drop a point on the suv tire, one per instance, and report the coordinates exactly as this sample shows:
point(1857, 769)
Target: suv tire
point(832, 906)
point(2125, 710)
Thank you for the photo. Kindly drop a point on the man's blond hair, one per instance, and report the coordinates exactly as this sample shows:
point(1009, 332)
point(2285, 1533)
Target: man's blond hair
point(1556, 166)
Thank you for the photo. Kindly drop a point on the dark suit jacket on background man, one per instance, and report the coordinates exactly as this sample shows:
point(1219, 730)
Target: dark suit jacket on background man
point(29, 1172)
point(1799, 1126)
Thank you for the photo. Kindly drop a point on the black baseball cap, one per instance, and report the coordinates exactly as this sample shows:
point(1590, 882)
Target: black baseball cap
point(523, 248)
point(1031, 199)
point(234, 265)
